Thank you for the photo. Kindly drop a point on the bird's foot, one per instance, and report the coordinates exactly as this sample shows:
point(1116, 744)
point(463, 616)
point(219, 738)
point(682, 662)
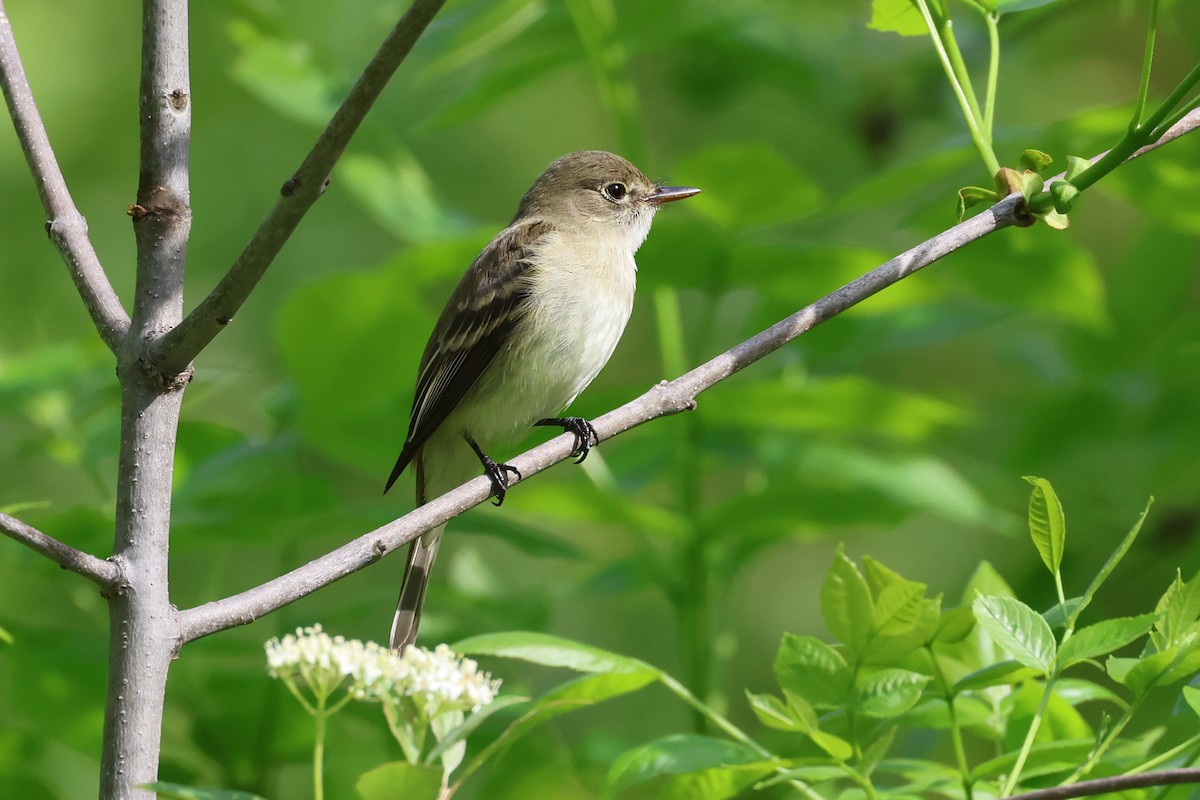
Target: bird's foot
point(585, 435)
point(498, 473)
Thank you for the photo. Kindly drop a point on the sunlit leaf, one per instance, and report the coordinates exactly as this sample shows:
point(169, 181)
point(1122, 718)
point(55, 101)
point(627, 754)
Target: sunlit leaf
point(1018, 629)
point(846, 603)
point(889, 692)
point(1177, 612)
point(813, 670)
point(1047, 525)
point(774, 713)
point(550, 651)
point(1103, 638)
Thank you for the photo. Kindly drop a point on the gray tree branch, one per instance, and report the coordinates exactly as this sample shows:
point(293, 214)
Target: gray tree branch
point(668, 397)
point(66, 226)
point(143, 633)
point(100, 572)
point(1117, 783)
point(175, 350)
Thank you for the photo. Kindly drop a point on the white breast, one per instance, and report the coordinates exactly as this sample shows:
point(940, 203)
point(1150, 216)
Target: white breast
point(581, 296)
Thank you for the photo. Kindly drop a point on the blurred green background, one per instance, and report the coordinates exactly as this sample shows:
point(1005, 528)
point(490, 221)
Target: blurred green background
point(900, 428)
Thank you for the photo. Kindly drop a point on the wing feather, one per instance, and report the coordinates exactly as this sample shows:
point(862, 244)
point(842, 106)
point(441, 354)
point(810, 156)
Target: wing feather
point(474, 327)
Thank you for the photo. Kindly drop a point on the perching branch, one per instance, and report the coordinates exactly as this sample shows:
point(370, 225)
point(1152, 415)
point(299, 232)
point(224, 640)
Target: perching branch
point(100, 572)
point(175, 350)
point(1117, 783)
point(66, 226)
point(662, 400)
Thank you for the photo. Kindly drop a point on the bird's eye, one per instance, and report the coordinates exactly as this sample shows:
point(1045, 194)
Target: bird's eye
point(615, 192)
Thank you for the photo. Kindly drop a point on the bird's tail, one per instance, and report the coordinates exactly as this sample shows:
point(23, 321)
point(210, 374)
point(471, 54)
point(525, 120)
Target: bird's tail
point(421, 554)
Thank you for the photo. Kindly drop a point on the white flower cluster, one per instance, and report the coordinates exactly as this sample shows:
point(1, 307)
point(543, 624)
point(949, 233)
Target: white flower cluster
point(440, 680)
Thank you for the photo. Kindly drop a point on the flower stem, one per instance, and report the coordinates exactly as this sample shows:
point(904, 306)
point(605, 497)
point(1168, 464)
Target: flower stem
point(319, 750)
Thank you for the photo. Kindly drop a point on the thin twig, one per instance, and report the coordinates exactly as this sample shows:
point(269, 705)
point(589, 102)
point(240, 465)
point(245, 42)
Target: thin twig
point(175, 350)
point(662, 400)
point(97, 570)
point(66, 226)
point(1117, 783)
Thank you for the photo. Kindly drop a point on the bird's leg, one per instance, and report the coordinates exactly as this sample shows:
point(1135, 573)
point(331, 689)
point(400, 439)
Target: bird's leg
point(585, 435)
point(497, 472)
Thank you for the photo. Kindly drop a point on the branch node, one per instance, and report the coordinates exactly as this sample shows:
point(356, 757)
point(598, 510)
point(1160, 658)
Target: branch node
point(290, 186)
point(178, 99)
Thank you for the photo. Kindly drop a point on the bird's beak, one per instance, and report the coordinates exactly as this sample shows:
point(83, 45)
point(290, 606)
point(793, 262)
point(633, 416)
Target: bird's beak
point(669, 194)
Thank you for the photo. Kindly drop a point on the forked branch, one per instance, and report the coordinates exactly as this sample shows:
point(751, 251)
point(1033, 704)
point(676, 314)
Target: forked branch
point(100, 572)
point(175, 350)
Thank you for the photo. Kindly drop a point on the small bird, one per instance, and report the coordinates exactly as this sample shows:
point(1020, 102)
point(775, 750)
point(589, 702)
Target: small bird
point(534, 319)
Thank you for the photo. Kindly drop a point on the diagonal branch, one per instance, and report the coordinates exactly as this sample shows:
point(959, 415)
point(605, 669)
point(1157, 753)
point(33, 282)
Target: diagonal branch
point(1114, 784)
point(665, 399)
point(103, 573)
point(66, 226)
point(175, 350)
point(662, 400)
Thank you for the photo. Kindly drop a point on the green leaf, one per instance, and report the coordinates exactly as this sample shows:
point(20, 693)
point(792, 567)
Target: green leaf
point(1054, 219)
point(969, 196)
point(176, 791)
point(1192, 696)
point(876, 750)
point(675, 755)
point(473, 721)
point(1075, 166)
point(5, 636)
point(1002, 673)
point(897, 16)
point(399, 780)
point(774, 713)
point(1047, 524)
point(804, 715)
point(1018, 629)
point(1064, 194)
point(1102, 638)
point(1035, 160)
point(1177, 612)
point(1159, 669)
point(551, 651)
point(889, 692)
point(1113, 561)
point(734, 197)
point(846, 604)
point(808, 667)
point(899, 608)
point(1058, 615)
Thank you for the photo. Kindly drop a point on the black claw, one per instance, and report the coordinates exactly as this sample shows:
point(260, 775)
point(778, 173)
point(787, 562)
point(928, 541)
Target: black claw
point(585, 434)
point(498, 473)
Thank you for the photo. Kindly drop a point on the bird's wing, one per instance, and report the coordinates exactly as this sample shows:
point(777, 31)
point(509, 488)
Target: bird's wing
point(474, 326)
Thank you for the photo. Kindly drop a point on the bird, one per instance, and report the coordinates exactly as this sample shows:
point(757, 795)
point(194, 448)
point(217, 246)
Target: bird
point(530, 324)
